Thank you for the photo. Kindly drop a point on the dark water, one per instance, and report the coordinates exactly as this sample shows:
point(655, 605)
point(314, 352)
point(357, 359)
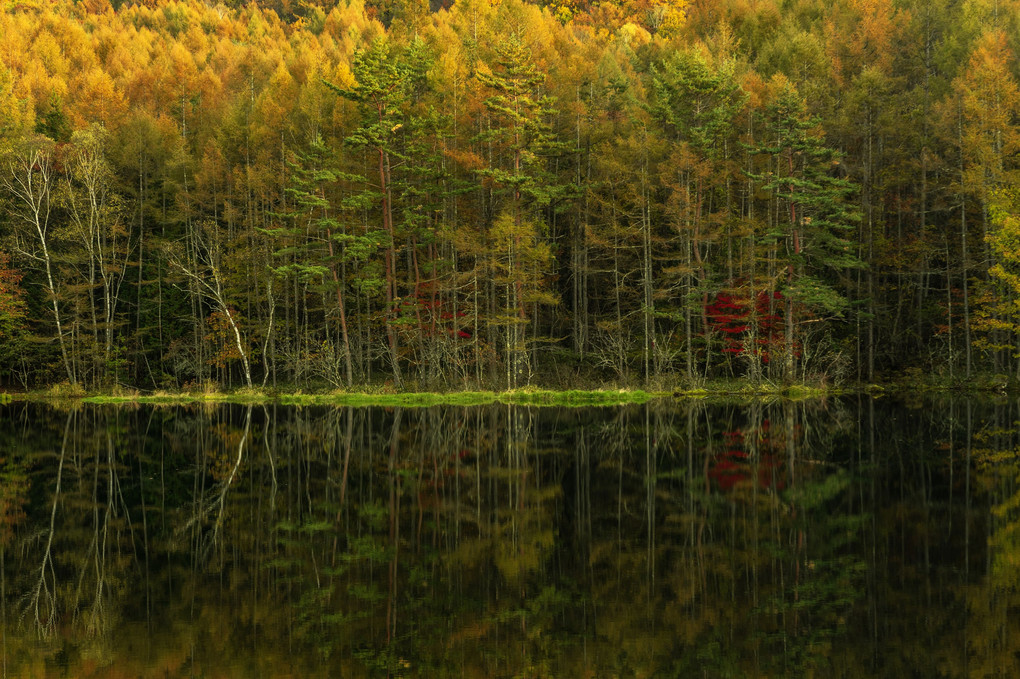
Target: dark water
point(851, 537)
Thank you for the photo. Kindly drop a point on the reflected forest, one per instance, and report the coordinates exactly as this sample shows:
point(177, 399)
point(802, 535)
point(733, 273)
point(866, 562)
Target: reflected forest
point(843, 537)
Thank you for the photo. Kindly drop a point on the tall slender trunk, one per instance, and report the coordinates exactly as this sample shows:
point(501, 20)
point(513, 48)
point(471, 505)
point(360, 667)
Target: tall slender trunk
point(963, 249)
point(646, 252)
point(788, 300)
point(348, 369)
point(390, 256)
point(871, 251)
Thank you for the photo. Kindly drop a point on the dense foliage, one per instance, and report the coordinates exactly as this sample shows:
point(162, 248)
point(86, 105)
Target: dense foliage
point(500, 193)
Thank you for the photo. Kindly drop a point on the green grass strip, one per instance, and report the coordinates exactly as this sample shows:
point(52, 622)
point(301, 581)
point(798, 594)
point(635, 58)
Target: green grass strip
point(528, 396)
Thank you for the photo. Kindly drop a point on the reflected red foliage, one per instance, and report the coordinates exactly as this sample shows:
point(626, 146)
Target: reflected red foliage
point(735, 466)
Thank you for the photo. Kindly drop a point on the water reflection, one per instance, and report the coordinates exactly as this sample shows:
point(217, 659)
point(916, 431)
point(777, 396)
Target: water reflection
point(841, 538)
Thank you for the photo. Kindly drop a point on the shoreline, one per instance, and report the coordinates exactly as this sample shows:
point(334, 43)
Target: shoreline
point(528, 396)
point(538, 397)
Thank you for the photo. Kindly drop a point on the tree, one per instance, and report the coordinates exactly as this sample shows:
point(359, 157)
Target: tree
point(12, 110)
point(12, 311)
point(96, 220)
point(318, 244)
point(383, 81)
point(1000, 317)
point(29, 176)
point(208, 280)
point(811, 215)
point(697, 106)
point(987, 103)
point(53, 122)
point(520, 138)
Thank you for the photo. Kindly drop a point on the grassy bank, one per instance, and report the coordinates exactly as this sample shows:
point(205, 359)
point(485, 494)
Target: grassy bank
point(529, 396)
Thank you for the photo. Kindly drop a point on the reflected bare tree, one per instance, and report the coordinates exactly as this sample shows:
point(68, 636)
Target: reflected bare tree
point(41, 600)
point(216, 501)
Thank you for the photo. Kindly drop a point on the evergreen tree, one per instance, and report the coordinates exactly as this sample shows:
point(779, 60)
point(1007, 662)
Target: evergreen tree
point(319, 246)
point(520, 139)
point(384, 80)
point(812, 216)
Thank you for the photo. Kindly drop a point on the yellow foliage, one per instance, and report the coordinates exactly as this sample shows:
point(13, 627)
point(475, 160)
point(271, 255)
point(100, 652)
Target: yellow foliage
point(222, 337)
point(999, 304)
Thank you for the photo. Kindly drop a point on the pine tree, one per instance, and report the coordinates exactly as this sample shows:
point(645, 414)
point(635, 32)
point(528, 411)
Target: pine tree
point(520, 139)
point(318, 245)
point(813, 216)
point(385, 78)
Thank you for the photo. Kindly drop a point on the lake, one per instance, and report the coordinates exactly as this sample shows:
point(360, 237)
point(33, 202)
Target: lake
point(859, 536)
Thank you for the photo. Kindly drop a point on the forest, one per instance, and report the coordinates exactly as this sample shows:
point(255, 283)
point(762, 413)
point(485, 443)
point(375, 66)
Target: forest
point(498, 193)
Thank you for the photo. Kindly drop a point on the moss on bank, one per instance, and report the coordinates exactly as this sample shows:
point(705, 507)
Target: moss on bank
point(576, 397)
point(528, 396)
point(532, 397)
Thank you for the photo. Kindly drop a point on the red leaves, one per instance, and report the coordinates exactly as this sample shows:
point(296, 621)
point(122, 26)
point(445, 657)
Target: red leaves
point(432, 315)
point(12, 305)
point(731, 317)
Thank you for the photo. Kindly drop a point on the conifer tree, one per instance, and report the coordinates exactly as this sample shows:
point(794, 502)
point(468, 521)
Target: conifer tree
point(318, 245)
point(384, 79)
point(520, 138)
point(812, 215)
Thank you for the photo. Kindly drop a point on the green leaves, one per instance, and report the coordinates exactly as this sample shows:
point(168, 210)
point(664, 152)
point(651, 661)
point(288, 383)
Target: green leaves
point(385, 77)
point(696, 103)
point(817, 213)
point(520, 128)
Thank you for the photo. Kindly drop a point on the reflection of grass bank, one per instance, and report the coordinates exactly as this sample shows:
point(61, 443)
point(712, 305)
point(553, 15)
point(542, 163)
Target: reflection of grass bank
point(762, 389)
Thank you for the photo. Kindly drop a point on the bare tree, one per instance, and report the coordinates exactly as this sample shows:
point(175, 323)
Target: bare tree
point(208, 282)
point(95, 219)
point(28, 176)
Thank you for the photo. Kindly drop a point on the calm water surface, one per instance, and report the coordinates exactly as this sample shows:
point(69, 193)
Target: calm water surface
point(852, 537)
